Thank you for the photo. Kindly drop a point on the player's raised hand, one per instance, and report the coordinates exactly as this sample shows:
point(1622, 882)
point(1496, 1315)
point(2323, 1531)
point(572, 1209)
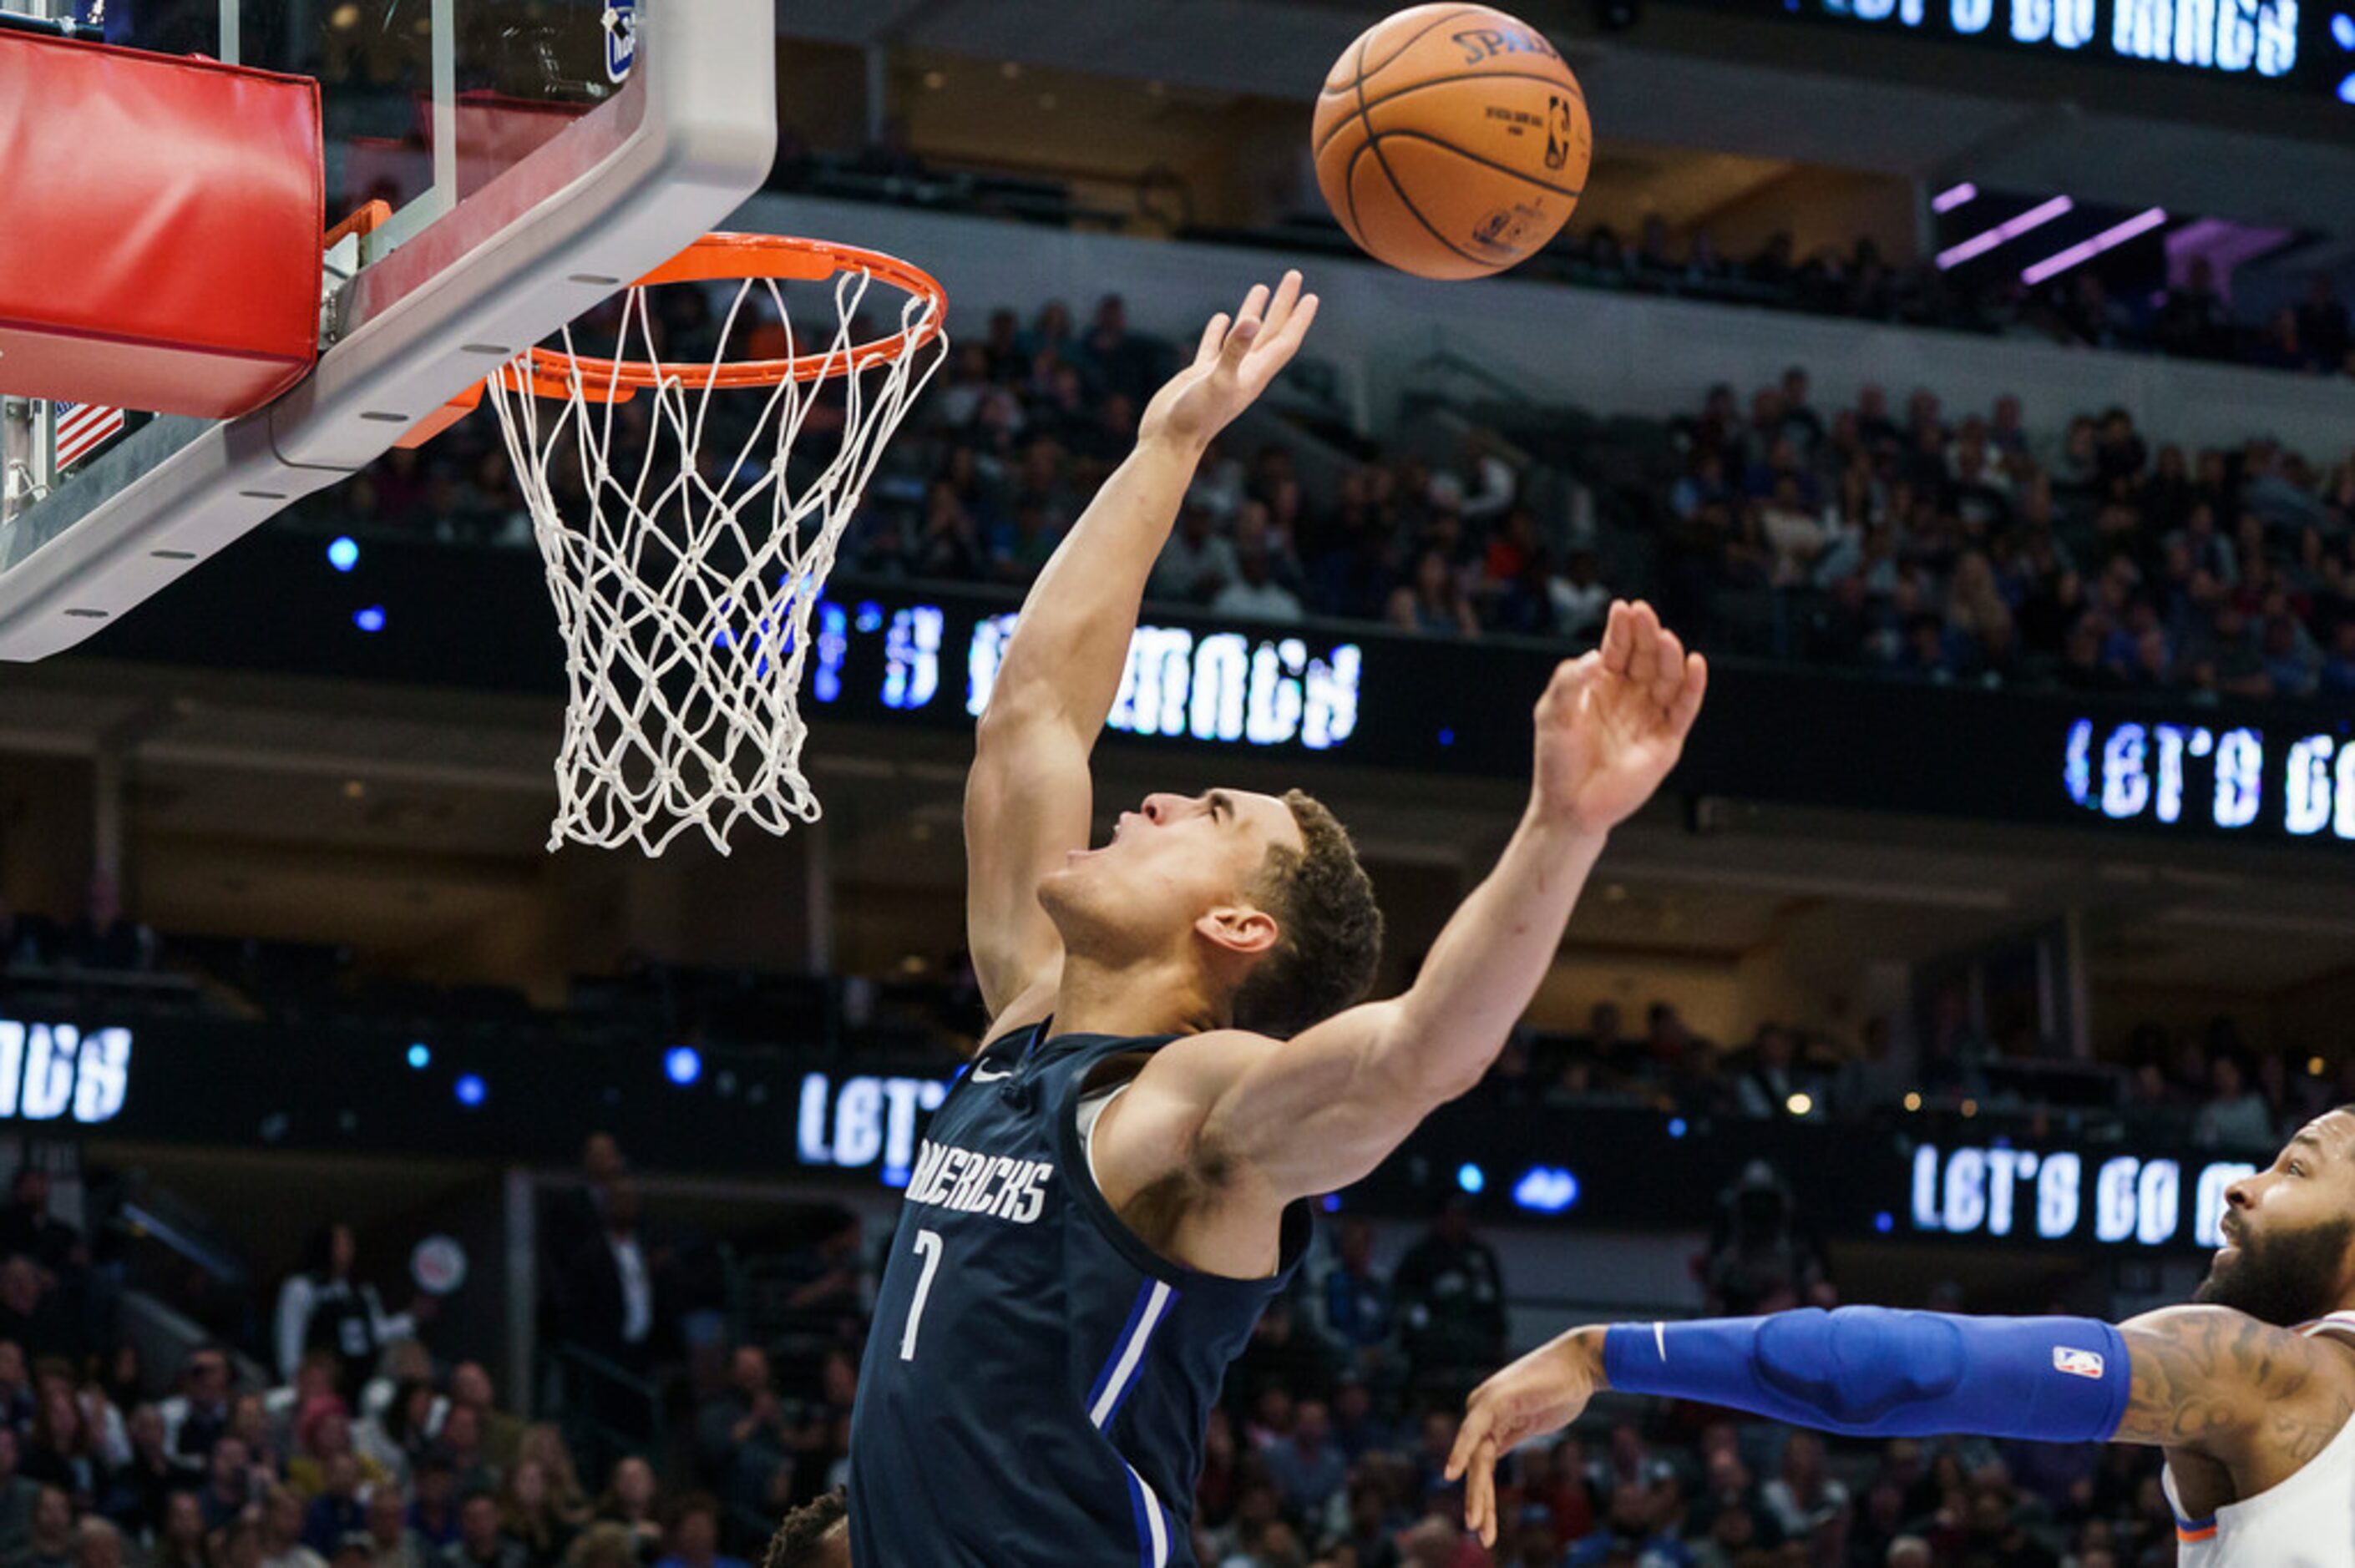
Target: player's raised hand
point(1612, 722)
point(1544, 1392)
point(1239, 355)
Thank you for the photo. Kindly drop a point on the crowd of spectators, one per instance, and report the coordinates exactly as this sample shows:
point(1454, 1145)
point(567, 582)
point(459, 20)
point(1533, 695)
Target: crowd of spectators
point(1314, 1483)
point(338, 1440)
point(1925, 542)
point(1975, 548)
point(2208, 1087)
point(412, 1470)
point(357, 1451)
point(1325, 1448)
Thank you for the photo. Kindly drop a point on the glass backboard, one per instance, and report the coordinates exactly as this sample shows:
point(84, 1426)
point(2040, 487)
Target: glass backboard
point(423, 101)
point(536, 155)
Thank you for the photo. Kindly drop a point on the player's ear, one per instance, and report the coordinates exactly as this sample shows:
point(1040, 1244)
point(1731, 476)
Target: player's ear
point(1238, 928)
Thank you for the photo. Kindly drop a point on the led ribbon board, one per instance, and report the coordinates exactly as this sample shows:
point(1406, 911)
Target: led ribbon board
point(1265, 687)
point(2298, 782)
point(2279, 43)
point(57, 1072)
point(2103, 1197)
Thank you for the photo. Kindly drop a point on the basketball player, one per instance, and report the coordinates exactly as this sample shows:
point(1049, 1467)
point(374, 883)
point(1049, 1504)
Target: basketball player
point(1113, 1190)
point(815, 1535)
point(2249, 1392)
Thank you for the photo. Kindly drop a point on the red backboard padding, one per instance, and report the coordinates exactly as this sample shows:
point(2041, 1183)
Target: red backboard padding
point(159, 228)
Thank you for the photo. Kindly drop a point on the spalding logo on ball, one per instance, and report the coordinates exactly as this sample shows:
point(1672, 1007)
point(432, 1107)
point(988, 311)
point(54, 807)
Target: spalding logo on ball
point(1452, 141)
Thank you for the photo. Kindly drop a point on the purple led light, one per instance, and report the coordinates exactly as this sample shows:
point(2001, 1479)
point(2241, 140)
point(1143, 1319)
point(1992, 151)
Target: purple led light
point(2060, 262)
point(1949, 199)
point(2002, 233)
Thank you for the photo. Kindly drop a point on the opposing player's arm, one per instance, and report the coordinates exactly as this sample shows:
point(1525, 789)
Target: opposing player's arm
point(1324, 1107)
point(2205, 1380)
point(1028, 799)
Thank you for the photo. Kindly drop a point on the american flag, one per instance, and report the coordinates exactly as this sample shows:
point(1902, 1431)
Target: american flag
point(81, 427)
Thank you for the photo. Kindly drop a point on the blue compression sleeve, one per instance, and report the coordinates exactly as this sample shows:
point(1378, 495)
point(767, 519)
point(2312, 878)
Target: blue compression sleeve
point(1871, 1373)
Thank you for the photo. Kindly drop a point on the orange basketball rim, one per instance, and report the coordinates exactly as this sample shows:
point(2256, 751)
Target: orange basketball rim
point(723, 257)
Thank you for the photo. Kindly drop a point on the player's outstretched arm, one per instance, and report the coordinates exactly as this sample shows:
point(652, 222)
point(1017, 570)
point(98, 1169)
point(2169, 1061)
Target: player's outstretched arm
point(2204, 1379)
point(1028, 799)
point(1322, 1109)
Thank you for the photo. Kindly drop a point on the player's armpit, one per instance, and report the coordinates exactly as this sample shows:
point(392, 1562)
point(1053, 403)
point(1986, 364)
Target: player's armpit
point(1320, 1110)
point(2212, 1380)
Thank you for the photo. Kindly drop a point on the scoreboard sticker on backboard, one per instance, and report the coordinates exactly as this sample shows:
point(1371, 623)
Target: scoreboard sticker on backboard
point(621, 38)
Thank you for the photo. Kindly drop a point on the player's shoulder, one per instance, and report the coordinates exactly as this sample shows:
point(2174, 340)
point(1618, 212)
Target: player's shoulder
point(1206, 1063)
point(2205, 1322)
point(2226, 1347)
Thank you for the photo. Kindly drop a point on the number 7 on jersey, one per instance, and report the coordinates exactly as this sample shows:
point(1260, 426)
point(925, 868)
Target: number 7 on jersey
point(928, 1247)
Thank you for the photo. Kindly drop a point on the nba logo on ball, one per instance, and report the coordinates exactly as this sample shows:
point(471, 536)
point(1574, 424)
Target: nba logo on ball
point(621, 38)
point(1559, 135)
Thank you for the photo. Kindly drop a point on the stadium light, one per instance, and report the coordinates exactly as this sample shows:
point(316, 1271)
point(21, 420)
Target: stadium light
point(2060, 262)
point(1546, 1189)
point(2003, 233)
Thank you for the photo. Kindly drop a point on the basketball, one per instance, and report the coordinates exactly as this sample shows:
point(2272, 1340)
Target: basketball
point(1452, 140)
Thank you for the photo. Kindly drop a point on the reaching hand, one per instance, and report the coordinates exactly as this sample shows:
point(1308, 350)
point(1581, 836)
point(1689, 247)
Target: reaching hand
point(1612, 722)
point(1236, 361)
point(1542, 1392)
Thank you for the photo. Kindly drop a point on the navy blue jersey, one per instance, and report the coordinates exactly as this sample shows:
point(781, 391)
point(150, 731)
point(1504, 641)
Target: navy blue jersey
point(1038, 1381)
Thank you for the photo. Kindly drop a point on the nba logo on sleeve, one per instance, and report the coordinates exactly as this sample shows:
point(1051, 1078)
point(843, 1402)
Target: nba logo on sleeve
point(621, 38)
point(2076, 1363)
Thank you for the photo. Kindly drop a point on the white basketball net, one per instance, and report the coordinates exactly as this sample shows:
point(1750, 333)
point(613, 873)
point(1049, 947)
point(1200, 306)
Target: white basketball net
point(684, 580)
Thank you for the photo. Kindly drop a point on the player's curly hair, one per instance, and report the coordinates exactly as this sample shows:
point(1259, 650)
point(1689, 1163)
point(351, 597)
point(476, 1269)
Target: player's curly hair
point(800, 1540)
point(1330, 928)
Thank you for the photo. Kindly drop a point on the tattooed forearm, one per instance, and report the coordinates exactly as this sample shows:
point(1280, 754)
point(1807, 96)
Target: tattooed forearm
point(2207, 1377)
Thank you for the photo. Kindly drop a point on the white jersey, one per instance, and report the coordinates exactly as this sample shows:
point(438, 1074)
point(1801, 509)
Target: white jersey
point(2306, 1521)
